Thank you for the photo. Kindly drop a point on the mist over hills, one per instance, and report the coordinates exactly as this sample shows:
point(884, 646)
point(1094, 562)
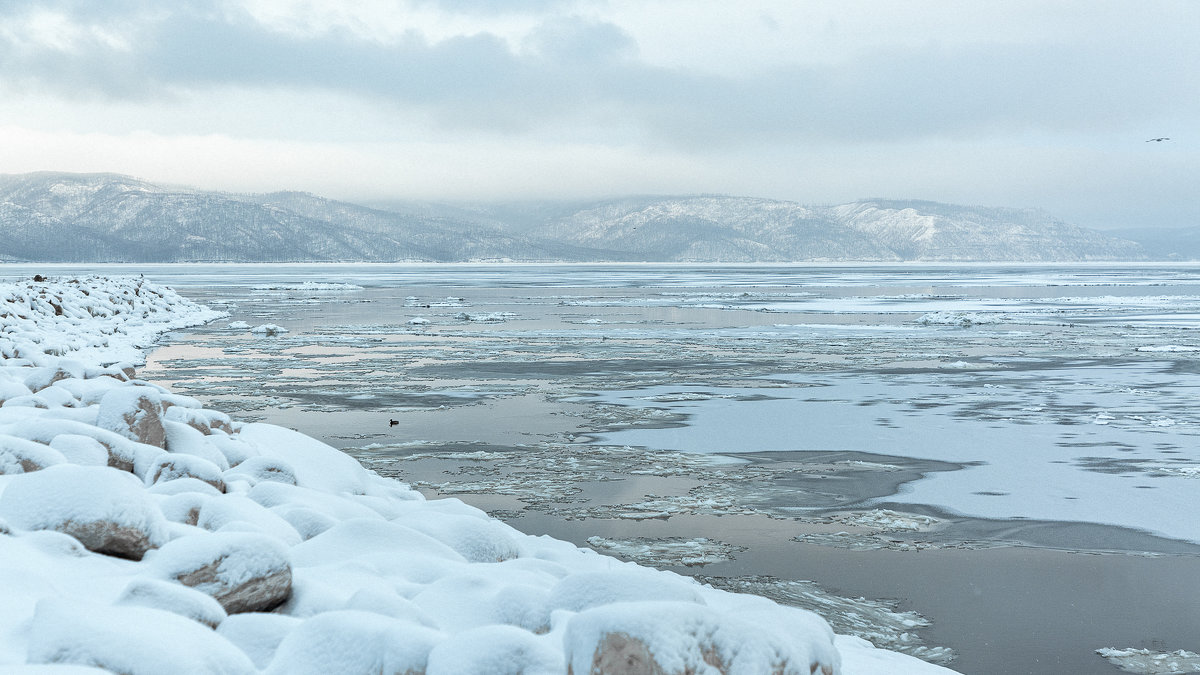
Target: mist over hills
point(61, 217)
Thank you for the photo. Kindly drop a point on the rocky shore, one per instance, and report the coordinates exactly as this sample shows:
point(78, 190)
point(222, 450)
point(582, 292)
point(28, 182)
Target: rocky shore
point(142, 533)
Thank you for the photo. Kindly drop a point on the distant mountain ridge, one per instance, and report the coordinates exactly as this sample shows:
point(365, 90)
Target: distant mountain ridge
point(62, 217)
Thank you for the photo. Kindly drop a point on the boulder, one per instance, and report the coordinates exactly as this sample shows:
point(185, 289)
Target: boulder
point(18, 455)
point(495, 650)
point(258, 634)
point(123, 453)
point(134, 412)
point(675, 638)
point(170, 466)
point(175, 598)
point(185, 439)
point(255, 470)
point(105, 509)
point(350, 642)
point(79, 449)
point(204, 421)
point(245, 572)
point(129, 640)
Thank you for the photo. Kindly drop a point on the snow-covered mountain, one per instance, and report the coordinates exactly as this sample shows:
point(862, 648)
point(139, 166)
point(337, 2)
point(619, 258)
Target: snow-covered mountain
point(59, 217)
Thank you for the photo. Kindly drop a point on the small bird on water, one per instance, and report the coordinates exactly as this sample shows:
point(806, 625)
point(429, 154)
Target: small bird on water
point(392, 423)
point(1157, 140)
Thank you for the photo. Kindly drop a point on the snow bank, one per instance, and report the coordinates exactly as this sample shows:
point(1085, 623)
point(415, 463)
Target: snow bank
point(133, 522)
point(95, 320)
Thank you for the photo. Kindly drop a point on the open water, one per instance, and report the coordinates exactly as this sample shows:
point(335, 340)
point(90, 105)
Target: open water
point(991, 467)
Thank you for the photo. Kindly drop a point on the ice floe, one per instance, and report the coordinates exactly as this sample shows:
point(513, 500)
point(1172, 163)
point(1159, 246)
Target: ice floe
point(308, 286)
point(693, 552)
point(1147, 662)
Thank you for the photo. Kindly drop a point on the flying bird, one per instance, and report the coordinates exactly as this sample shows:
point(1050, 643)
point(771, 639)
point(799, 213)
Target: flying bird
point(1158, 140)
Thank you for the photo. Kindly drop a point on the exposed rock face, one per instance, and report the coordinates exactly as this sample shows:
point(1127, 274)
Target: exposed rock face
point(243, 572)
point(109, 537)
point(135, 413)
point(622, 654)
point(257, 594)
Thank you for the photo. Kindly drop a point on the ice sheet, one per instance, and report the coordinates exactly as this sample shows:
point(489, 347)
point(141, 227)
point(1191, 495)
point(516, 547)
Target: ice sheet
point(1105, 443)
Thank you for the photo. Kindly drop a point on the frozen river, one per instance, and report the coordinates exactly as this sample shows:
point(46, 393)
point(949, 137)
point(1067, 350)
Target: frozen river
point(993, 467)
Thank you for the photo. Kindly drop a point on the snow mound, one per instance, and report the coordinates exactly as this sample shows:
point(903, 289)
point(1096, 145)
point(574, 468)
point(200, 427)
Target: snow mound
point(133, 640)
point(268, 329)
point(350, 642)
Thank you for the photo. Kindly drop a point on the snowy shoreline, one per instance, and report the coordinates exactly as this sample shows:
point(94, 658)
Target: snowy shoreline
point(142, 533)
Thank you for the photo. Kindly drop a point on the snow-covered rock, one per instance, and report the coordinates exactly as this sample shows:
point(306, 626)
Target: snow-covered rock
point(176, 598)
point(242, 571)
point(105, 509)
point(678, 638)
point(135, 413)
point(18, 455)
point(351, 642)
point(130, 639)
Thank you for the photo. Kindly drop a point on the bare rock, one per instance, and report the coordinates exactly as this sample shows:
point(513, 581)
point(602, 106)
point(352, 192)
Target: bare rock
point(242, 571)
point(104, 509)
point(622, 654)
point(134, 412)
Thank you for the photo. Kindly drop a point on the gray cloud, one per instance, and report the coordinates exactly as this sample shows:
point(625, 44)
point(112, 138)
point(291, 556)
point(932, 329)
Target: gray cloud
point(494, 7)
point(573, 70)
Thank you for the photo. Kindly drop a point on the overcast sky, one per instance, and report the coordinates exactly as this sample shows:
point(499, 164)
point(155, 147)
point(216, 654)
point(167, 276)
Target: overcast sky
point(1005, 103)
